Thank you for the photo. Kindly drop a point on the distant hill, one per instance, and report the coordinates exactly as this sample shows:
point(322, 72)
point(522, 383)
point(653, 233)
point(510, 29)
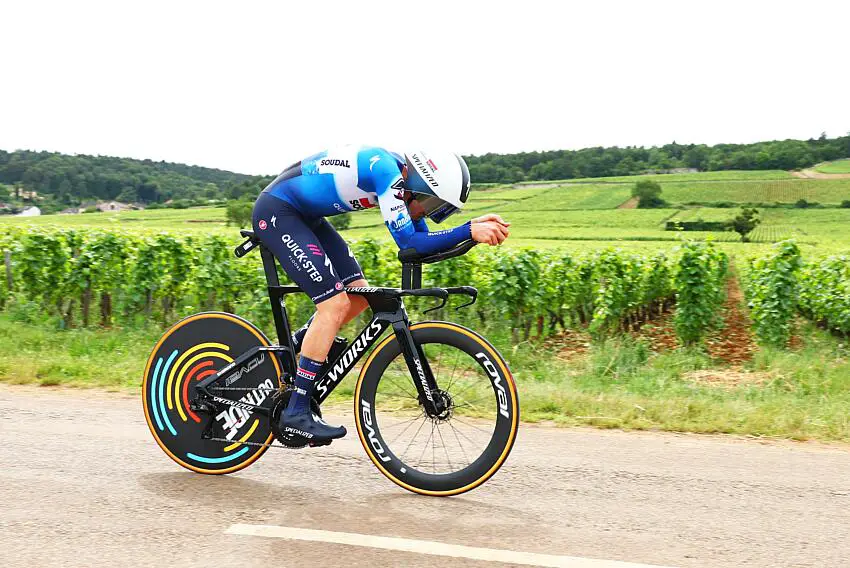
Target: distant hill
point(614, 161)
point(63, 180)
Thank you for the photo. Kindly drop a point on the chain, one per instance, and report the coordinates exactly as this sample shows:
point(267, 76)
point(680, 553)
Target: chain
point(256, 444)
point(244, 389)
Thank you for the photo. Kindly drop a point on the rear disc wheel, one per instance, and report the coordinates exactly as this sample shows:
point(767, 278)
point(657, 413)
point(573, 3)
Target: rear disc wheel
point(191, 350)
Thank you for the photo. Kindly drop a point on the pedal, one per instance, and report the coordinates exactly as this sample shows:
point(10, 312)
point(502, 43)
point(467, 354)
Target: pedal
point(319, 444)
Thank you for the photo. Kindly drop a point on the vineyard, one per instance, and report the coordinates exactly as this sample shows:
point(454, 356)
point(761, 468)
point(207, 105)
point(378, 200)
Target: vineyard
point(89, 278)
point(593, 334)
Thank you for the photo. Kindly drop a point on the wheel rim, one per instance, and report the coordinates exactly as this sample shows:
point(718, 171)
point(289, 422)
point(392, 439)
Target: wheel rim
point(457, 438)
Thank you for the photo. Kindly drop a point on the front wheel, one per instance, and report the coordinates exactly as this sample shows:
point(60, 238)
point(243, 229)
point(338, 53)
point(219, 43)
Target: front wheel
point(461, 448)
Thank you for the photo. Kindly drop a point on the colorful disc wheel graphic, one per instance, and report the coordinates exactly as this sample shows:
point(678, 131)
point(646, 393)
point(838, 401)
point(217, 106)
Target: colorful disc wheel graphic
point(190, 351)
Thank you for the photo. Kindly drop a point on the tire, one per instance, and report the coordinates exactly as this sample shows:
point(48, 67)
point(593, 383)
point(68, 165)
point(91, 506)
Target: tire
point(189, 351)
point(386, 406)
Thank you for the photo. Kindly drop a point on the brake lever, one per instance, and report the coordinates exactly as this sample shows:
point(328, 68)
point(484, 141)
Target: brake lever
point(470, 291)
point(444, 298)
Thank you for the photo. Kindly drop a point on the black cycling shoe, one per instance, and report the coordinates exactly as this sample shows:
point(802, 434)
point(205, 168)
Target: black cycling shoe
point(310, 428)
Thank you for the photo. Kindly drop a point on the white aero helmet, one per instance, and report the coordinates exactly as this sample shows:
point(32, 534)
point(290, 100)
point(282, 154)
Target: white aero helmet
point(439, 181)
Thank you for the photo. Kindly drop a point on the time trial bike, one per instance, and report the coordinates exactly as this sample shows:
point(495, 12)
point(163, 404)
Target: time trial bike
point(436, 406)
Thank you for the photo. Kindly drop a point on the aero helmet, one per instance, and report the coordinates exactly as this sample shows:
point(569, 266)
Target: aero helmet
point(439, 181)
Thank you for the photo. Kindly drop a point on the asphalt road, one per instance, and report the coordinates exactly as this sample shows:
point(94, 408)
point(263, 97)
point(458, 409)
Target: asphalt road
point(82, 483)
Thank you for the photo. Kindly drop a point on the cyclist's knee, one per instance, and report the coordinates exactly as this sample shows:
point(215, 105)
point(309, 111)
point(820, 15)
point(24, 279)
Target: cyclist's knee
point(335, 308)
point(359, 303)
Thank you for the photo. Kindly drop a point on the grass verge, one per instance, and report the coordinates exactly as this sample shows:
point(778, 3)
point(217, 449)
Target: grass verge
point(800, 394)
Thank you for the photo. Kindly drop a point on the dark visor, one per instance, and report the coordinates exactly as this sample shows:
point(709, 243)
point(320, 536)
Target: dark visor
point(435, 208)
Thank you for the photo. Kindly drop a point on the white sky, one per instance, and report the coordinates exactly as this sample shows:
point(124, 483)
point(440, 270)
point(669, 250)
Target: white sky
point(253, 86)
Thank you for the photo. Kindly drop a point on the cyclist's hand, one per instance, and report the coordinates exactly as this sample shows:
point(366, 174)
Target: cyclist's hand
point(489, 232)
point(491, 217)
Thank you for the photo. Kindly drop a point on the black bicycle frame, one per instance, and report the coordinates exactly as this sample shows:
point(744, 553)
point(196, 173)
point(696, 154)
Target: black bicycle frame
point(388, 310)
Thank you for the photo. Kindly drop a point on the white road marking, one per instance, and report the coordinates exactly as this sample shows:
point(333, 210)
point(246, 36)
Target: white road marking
point(429, 547)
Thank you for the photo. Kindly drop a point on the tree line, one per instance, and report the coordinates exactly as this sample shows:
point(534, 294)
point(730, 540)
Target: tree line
point(65, 180)
point(614, 161)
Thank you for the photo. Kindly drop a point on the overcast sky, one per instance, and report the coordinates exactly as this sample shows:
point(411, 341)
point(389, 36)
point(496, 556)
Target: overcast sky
point(253, 86)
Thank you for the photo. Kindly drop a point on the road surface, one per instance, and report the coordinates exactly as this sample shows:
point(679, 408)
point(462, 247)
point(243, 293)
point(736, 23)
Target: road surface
point(82, 483)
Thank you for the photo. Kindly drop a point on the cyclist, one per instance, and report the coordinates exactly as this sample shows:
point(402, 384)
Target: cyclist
point(289, 218)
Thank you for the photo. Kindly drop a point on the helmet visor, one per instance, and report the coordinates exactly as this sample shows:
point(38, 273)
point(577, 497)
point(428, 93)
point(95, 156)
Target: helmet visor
point(435, 208)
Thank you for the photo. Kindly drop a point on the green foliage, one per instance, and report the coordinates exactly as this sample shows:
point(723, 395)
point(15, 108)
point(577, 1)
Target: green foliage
point(838, 167)
point(340, 222)
point(699, 280)
point(745, 222)
point(824, 292)
point(239, 213)
point(648, 193)
point(162, 276)
point(603, 162)
point(68, 180)
point(771, 289)
point(845, 204)
point(515, 289)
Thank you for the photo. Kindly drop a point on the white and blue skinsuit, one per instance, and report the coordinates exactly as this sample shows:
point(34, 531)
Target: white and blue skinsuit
point(289, 216)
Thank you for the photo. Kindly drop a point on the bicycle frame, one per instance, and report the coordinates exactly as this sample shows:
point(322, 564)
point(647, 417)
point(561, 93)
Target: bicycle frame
point(387, 309)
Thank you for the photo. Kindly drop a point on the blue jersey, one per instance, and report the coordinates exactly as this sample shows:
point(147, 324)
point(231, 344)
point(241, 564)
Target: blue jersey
point(354, 178)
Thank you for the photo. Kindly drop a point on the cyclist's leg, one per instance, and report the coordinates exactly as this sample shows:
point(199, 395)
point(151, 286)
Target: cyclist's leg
point(288, 235)
point(344, 265)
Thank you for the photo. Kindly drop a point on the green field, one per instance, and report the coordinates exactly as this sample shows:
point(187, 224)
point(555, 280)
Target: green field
point(784, 191)
point(836, 167)
point(622, 383)
point(577, 215)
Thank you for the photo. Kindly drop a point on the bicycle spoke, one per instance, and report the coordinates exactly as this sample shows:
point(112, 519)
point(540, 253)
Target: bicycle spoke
point(472, 426)
point(425, 446)
point(405, 391)
point(394, 395)
point(452, 376)
point(406, 428)
point(403, 431)
point(435, 372)
point(444, 447)
point(467, 405)
point(454, 431)
point(468, 439)
point(401, 457)
point(433, 449)
point(471, 385)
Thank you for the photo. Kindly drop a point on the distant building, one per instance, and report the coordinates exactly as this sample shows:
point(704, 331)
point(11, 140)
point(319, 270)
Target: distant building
point(112, 206)
point(673, 171)
point(30, 212)
point(105, 207)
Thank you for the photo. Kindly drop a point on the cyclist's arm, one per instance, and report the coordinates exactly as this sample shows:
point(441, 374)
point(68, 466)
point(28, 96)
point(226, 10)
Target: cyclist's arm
point(420, 226)
point(414, 234)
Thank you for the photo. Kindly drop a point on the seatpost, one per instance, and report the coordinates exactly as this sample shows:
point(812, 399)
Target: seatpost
point(281, 322)
point(411, 275)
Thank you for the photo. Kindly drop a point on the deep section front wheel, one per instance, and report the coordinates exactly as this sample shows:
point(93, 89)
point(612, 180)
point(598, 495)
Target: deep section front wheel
point(462, 447)
point(191, 350)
